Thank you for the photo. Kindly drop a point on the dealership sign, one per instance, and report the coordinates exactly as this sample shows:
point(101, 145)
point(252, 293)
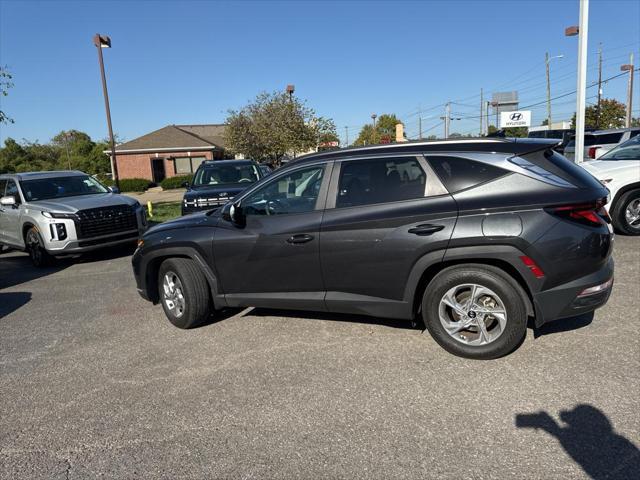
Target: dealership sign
point(521, 118)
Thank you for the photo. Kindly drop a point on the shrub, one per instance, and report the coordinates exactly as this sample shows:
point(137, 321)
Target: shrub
point(134, 184)
point(170, 183)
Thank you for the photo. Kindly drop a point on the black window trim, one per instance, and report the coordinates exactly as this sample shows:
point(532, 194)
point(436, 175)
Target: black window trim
point(274, 177)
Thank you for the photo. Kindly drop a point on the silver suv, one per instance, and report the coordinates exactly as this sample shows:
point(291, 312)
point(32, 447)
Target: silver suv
point(58, 213)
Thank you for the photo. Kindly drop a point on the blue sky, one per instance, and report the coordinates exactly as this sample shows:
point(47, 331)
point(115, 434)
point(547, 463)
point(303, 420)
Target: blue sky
point(190, 61)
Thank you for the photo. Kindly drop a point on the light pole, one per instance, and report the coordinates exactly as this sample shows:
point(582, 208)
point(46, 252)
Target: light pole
point(629, 68)
point(582, 31)
point(374, 136)
point(102, 41)
point(290, 90)
point(547, 59)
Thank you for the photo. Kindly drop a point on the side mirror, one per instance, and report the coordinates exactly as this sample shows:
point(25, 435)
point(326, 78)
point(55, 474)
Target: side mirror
point(114, 189)
point(186, 185)
point(8, 201)
point(232, 212)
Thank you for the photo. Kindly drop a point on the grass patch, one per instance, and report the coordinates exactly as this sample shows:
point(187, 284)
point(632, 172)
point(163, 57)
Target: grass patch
point(163, 212)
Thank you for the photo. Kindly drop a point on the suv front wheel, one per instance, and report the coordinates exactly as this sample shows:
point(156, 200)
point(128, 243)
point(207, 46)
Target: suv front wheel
point(35, 248)
point(475, 311)
point(184, 293)
point(626, 213)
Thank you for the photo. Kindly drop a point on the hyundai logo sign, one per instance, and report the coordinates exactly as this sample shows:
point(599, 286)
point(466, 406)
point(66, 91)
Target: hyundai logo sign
point(521, 118)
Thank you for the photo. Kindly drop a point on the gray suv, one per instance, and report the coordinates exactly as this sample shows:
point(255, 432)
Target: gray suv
point(58, 213)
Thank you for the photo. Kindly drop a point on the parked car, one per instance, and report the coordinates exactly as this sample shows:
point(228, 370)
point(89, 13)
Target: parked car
point(619, 171)
point(265, 169)
point(599, 142)
point(218, 181)
point(476, 236)
point(57, 213)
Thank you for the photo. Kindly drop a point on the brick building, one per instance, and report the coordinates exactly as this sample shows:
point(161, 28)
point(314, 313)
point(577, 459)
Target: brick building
point(170, 151)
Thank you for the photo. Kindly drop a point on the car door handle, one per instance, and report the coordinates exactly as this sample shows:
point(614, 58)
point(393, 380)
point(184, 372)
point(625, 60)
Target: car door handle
point(426, 229)
point(299, 238)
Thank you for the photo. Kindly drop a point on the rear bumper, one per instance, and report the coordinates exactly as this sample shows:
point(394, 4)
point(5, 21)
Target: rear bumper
point(563, 301)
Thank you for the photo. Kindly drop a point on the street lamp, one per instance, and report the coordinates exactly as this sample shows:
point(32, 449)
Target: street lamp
point(102, 41)
point(629, 68)
point(582, 31)
point(547, 60)
point(290, 90)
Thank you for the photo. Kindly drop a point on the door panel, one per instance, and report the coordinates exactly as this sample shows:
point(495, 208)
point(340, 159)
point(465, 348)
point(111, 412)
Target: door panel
point(10, 217)
point(369, 250)
point(273, 260)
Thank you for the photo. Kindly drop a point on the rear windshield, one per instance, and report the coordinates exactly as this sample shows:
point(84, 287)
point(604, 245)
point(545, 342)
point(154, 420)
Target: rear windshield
point(629, 150)
point(459, 173)
point(225, 174)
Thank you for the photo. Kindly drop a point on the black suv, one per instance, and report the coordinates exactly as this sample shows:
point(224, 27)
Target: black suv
point(218, 181)
point(476, 236)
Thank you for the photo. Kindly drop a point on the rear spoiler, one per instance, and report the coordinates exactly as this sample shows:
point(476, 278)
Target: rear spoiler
point(532, 145)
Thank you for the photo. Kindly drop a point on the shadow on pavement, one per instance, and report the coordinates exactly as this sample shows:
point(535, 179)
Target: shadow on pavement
point(16, 269)
point(588, 438)
point(10, 302)
point(337, 317)
point(564, 325)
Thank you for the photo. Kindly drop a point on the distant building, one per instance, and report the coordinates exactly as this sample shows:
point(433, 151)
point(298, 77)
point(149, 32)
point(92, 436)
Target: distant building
point(170, 151)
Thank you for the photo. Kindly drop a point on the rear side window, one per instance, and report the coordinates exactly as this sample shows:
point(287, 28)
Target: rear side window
point(460, 173)
point(367, 182)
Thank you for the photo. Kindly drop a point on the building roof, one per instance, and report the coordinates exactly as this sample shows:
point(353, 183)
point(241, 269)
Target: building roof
point(177, 137)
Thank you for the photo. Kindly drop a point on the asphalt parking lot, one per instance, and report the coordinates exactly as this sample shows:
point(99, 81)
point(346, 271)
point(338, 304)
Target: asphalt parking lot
point(96, 382)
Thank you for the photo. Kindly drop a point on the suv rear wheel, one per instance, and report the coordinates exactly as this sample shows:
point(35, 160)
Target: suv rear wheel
point(184, 293)
point(35, 248)
point(475, 311)
point(626, 213)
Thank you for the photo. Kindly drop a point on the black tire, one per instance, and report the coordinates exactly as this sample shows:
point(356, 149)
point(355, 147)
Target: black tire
point(618, 214)
point(486, 276)
point(35, 248)
point(194, 289)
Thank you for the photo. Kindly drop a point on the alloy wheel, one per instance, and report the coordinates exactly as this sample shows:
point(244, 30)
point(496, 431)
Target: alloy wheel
point(472, 314)
point(173, 294)
point(34, 247)
point(632, 213)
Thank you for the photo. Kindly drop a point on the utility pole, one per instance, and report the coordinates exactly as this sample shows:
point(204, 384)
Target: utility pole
point(546, 60)
point(486, 114)
point(346, 134)
point(447, 119)
point(582, 31)
point(629, 68)
point(599, 84)
point(481, 113)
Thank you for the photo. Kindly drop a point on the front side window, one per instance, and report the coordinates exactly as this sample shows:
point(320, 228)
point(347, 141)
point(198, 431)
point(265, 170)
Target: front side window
point(225, 174)
point(367, 182)
point(3, 185)
point(12, 191)
point(629, 150)
point(296, 192)
point(61, 187)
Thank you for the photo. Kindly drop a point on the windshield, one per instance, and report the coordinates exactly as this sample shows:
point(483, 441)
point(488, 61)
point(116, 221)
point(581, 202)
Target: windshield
point(60, 187)
point(226, 174)
point(629, 150)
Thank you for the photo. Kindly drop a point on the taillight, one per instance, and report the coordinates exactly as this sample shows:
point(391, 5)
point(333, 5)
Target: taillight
point(531, 265)
point(592, 152)
point(592, 214)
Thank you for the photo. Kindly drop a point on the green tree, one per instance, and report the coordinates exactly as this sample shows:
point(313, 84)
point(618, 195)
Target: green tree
point(612, 115)
point(5, 85)
point(385, 131)
point(274, 125)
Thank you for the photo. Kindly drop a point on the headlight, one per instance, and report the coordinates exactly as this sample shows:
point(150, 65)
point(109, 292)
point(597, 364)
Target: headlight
point(58, 215)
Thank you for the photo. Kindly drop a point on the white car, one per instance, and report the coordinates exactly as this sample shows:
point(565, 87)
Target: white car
point(619, 171)
point(599, 142)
